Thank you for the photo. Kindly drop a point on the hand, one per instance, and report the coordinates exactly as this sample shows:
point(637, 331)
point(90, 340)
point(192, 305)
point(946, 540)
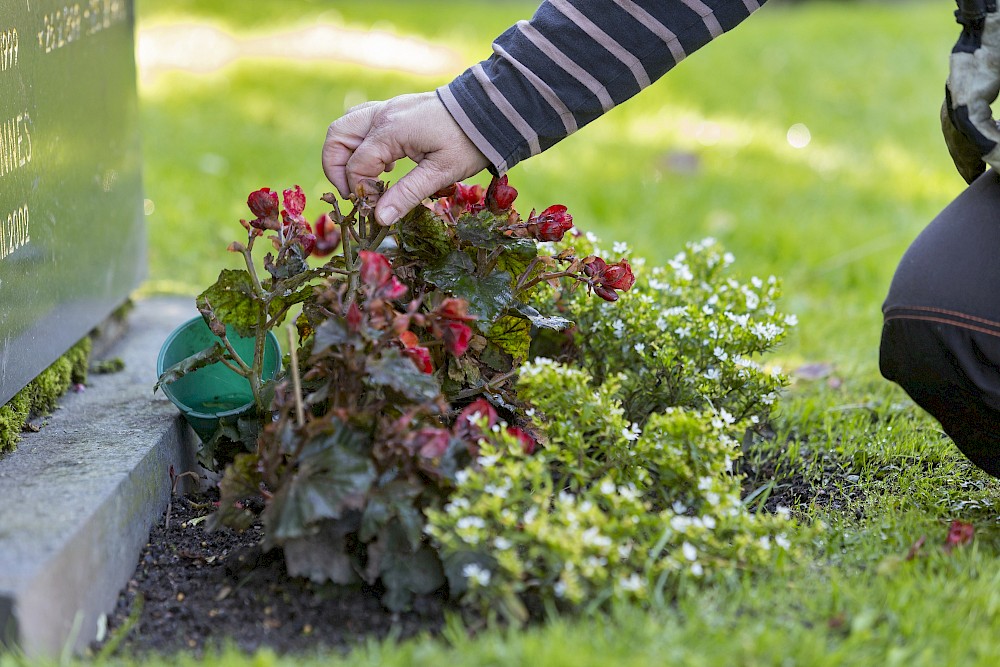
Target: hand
point(369, 138)
point(973, 84)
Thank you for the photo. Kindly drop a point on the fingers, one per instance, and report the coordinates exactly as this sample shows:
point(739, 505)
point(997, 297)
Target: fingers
point(407, 193)
point(343, 138)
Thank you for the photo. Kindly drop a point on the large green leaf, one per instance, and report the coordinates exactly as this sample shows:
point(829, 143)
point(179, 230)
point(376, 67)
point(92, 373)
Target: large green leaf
point(479, 231)
point(233, 301)
point(207, 357)
point(403, 569)
point(512, 335)
point(334, 474)
point(517, 256)
point(396, 500)
point(400, 374)
point(488, 296)
point(424, 235)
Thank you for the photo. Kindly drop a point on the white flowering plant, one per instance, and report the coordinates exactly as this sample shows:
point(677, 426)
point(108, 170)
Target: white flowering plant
point(687, 334)
point(630, 490)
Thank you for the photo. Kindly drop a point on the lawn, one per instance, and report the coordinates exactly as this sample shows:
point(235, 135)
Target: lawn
point(703, 152)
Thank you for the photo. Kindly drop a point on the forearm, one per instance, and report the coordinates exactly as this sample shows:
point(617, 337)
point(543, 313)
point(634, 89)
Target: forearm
point(575, 60)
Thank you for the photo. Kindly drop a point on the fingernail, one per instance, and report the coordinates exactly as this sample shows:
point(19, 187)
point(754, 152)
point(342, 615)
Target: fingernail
point(388, 216)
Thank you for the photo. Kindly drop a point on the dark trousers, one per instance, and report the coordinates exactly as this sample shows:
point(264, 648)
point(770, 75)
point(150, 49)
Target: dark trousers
point(941, 337)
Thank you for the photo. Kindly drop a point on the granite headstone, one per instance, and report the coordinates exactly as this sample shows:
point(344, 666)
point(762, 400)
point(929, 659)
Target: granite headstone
point(72, 238)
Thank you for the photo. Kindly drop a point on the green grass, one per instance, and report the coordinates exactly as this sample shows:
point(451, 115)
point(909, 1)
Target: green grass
point(831, 219)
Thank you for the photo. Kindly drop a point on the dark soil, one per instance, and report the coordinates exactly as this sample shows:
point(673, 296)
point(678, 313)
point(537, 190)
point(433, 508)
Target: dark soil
point(206, 590)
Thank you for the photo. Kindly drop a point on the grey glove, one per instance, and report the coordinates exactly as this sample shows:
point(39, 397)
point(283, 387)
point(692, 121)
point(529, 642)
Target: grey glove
point(973, 137)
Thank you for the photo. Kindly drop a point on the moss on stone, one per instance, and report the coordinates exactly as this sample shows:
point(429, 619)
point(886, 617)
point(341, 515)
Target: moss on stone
point(41, 395)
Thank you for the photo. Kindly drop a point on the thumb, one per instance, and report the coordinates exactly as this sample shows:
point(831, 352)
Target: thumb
point(424, 180)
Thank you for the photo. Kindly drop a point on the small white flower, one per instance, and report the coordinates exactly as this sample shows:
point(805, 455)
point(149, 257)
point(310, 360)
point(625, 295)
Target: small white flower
point(712, 375)
point(720, 354)
point(726, 417)
point(632, 583)
point(608, 487)
point(592, 237)
point(683, 332)
point(756, 282)
point(477, 574)
point(782, 541)
point(631, 434)
point(502, 543)
point(618, 327)
point(689, 551)
point(639, 347)
point(679, 507)
point(709, 522)
point(791, 320)
point(529, 413)
point(619, 248)
point(697, 570)
point(783, 511)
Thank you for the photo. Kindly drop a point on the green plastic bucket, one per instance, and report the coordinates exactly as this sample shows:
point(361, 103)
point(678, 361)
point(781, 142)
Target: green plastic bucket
point(214, 393)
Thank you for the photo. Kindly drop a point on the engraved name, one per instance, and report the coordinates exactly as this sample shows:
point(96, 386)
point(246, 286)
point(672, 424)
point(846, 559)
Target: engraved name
point(14, 232)
point(15, 143)
point(8, 49)
point(70, 23)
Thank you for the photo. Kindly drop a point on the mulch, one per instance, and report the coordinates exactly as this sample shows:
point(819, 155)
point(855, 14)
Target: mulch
point(197, 591)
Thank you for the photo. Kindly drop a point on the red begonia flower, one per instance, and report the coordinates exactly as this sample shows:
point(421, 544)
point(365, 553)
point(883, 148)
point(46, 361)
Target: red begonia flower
point(263, 203)
point(421, 357)
point(619, 276)
point(551, 224)
point(375, 268)
point(500, 196)
point(295, 200)
point(468, 197)
point(456, 337)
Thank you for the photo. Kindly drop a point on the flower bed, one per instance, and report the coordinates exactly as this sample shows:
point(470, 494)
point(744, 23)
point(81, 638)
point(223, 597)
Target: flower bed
point(484, 404)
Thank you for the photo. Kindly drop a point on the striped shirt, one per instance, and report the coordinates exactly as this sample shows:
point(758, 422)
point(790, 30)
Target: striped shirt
point(573, 61)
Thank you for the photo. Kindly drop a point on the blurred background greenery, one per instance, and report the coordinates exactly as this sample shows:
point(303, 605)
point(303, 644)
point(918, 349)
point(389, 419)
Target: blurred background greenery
point(806, 140)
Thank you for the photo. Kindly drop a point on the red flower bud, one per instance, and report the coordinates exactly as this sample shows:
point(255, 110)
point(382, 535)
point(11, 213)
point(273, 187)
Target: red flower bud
point(327, 236)
point(263, 203)
point(500, 196)
point(606, 293)
point(354, 317)
point(551, 224)
point(295, 200)
point(456, 337)
point(595, 267)
point(619, 275)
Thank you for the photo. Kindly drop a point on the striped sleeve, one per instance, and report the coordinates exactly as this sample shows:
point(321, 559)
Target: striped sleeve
point(573, 61)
